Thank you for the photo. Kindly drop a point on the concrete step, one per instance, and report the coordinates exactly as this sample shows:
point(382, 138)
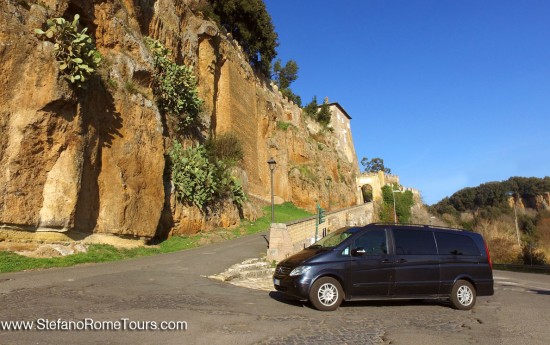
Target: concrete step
point(248, 269)
point(254, 266)
point(268, 272)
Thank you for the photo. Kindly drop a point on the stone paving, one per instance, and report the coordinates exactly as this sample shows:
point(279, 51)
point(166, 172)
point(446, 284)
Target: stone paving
point(427, 320)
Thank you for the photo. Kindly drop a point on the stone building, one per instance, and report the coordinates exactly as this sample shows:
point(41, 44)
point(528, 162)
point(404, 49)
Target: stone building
point(341, 122)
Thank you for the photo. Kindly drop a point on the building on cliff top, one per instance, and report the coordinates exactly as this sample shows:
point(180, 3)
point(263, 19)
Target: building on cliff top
point(340, 121)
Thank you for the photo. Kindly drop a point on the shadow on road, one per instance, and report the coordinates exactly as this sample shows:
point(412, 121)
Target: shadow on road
point(540, 292)
point(394, 303)
point(279, 297)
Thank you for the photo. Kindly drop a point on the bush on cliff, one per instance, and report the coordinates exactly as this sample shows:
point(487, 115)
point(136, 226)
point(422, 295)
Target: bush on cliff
point(175, 87)
point(320, 114)
point(74, 51)
point(200, 180)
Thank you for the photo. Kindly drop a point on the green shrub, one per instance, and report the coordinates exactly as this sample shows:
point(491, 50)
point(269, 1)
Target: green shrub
point(283, 126)
point(306, 173)
point(131, 87)
point(403, 203)
point(201, 181)
point(311, 108)
point(175, 86)
point(320, 114)
point(74, 51)
point(192, 175)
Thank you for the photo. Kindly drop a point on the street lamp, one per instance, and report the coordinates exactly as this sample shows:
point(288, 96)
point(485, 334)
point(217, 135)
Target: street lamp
point(272, 165)
point(329, 181)
point(512, 194)
point(394, 211)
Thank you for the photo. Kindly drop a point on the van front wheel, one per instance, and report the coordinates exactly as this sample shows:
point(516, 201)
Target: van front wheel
point(326, 294)
point(463, 296)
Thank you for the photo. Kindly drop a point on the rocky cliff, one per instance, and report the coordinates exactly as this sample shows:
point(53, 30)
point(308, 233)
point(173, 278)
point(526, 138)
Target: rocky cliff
point(536, 202)
point(93, 160)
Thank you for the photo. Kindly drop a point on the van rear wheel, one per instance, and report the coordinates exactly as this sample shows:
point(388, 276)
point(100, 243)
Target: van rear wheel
point(463, 295)
point(326, 294)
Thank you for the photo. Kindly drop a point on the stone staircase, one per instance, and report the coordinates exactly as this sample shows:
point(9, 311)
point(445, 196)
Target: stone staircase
point(255, 273)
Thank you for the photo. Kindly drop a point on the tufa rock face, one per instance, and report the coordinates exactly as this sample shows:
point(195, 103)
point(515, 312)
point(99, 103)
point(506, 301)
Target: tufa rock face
point(88, 159)
point(93, 160)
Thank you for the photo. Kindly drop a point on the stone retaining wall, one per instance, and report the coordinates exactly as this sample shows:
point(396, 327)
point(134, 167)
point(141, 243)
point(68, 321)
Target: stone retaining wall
point(287, 239)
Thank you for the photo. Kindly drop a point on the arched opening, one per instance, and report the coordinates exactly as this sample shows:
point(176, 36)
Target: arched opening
point(366, 190)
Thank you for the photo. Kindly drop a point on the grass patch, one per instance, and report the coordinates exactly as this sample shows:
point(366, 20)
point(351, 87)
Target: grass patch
point(131, 87)
point(283, 126)
point(12, 262)
point(306, 172)
point(284, 213)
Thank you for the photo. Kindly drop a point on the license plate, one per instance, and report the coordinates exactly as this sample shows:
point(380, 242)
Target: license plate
point(276, 282)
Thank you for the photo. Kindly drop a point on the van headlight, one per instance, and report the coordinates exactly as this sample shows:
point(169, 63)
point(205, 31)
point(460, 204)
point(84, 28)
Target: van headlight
point(298, 271)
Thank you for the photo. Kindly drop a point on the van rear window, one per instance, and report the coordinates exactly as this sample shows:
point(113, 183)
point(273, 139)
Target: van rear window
point(455, 244)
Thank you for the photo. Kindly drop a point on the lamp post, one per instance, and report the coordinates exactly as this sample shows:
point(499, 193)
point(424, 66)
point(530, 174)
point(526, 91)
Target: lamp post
point(394, 211)
point(272, 165)
point(513, 195)
point(329, 181)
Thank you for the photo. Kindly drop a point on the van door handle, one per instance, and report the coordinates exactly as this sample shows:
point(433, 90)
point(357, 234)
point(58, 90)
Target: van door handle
point(386, 261)
point(400, 261)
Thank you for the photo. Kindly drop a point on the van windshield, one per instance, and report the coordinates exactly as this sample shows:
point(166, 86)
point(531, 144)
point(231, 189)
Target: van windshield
point(334, 238)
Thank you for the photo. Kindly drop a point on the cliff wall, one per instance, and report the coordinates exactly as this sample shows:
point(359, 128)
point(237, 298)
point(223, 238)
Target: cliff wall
point(93, 160)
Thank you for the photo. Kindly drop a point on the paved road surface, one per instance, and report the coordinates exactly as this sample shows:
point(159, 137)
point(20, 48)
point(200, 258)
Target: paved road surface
point(172, 287)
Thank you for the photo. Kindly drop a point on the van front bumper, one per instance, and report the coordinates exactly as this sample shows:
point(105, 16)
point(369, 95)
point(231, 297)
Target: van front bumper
point(296, 287)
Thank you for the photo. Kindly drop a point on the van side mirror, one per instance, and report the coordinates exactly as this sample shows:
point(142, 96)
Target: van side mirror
point(358, 251)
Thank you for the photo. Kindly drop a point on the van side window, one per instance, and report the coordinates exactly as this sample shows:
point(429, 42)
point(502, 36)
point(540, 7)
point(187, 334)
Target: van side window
point(414, 242)
point(455, 244)
point(374, 242)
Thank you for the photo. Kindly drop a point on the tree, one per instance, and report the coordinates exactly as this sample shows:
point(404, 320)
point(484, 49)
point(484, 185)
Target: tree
point(250, 24)
point(374, 165)
point(324, 114)
point(311, 108)
point(283, 76)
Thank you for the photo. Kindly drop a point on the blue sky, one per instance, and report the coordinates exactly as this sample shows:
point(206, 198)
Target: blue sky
point(450, 93)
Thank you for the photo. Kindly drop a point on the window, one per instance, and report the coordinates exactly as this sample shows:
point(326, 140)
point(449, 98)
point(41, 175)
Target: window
point(414, 242)
point(374, 242)
point(455, 244)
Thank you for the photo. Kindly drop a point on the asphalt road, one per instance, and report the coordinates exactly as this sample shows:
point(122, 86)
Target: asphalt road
point(173, 287)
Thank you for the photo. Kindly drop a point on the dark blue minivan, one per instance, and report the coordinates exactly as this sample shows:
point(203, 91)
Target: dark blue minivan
point(389, 261)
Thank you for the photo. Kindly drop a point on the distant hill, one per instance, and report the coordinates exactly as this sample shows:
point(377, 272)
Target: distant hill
point(489, 210)
point(490, 199)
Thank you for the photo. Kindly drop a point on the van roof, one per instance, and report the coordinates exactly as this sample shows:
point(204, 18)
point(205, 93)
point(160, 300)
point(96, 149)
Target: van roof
point(423, 226)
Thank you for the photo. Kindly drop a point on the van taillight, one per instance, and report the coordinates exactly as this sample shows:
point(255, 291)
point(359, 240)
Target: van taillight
point(488, 255)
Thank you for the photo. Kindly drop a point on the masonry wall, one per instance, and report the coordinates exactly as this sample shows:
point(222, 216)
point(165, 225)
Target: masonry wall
point(287, 239)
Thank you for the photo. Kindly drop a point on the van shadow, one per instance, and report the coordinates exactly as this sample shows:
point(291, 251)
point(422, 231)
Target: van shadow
point(395, 303)
point(282, 298)
point(540, 292)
